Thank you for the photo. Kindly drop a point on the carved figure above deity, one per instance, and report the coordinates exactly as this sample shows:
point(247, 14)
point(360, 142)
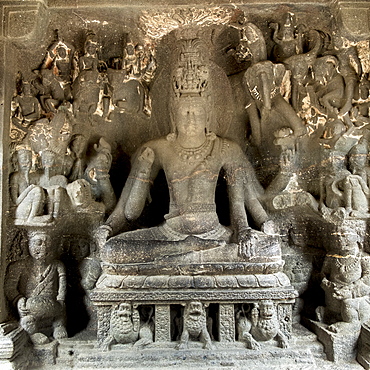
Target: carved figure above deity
point(192, 159)
point(288, 38)
point(260, 325)
point(349, 67)
point(90, 61)
point(328, 86)
point(59, 59)
point(129, 78)
point(26, 107)
point(263, 81)
point(36, 287)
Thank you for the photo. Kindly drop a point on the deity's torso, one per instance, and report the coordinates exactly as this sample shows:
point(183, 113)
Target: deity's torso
point(192, 176)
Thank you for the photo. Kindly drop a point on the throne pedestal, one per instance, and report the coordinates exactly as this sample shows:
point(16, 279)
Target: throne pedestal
point(199, 276)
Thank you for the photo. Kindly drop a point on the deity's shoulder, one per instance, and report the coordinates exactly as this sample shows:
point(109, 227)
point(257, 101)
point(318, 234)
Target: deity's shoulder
point(230, 148)
point(158, 145)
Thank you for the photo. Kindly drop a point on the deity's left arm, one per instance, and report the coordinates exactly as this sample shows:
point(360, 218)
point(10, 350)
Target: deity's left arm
point(235, 174)
point(118, 219)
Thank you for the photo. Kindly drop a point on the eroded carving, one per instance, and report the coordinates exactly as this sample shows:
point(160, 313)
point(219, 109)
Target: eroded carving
point(126, 327)
point(36, 286)
point(195, 325)
point(261, 324)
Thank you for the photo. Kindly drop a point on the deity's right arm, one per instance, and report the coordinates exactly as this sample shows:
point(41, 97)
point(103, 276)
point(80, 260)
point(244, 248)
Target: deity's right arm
point(135, 191)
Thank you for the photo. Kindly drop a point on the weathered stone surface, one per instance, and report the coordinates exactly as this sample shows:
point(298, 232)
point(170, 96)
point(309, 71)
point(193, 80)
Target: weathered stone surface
point(199, 174)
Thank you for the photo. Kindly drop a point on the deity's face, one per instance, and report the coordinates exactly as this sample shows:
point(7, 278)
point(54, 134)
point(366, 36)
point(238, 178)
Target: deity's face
point(191, 119)
point(39, 246)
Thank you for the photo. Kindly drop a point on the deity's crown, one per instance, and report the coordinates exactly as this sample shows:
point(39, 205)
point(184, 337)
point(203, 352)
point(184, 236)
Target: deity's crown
point(191, 74)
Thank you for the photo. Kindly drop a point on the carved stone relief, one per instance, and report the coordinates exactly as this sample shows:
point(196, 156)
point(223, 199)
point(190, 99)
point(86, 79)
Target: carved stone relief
point(186, 184)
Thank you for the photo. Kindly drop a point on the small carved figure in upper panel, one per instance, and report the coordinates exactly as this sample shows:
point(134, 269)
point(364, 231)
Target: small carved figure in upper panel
point(88, 86)
point(327, 90)
point(36, 286)
point(26, 107)
point(263, 80)
point(130, 77)
point(89, 61)
point(349, 67)
point(260, 324)
point(59, 59)
point(288, 38)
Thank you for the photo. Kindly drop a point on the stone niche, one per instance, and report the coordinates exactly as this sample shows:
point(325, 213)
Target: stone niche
point(185, 184)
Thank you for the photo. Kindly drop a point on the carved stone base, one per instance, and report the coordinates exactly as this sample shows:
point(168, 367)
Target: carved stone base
point(44, 354)
point(337, 346)
point(233, 356)
point(164, 291)
point(363, 355)
point(13, 347)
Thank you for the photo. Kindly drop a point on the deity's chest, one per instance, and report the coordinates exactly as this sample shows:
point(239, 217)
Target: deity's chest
point(347, 270)
point(197, 175)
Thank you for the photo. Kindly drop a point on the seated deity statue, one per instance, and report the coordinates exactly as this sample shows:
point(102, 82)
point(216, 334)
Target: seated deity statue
point(192, 159)
point(346, 283)
point(36, 286)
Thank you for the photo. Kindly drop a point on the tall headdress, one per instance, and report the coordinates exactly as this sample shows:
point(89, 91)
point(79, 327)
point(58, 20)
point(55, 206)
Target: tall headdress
point(191, 75)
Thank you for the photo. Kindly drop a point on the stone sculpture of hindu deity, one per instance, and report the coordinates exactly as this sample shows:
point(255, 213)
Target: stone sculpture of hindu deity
point(194, 163)
point(36, 287)
point(192, 158)
point(263, 81)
